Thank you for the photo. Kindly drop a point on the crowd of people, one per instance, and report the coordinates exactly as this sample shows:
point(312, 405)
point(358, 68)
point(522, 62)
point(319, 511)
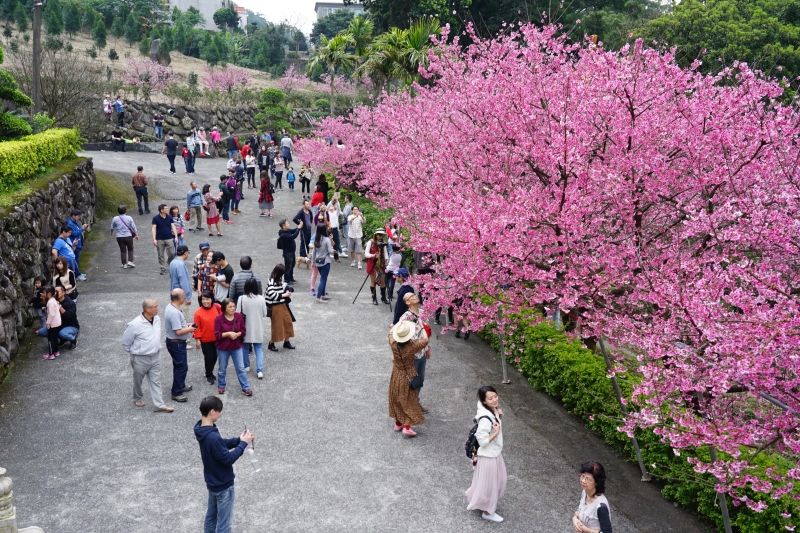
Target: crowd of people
point(227, 324)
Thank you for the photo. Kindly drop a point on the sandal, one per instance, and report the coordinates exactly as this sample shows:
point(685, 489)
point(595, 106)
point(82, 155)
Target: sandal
point(219, 234)
point(139, 403)
point(210, 234)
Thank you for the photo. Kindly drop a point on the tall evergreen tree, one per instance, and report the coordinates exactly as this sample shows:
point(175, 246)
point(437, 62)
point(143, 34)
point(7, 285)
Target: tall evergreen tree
point(99, 34)
point(21, 18)
point(131, 29)
point(53, 18)
point(72, 18)
point(117, 28)
point(7, 8)
point(179, 37)
point(88, 19)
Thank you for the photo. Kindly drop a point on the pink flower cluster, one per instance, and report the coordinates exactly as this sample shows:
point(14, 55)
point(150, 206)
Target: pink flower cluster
point(226, 79)
point(293, 80)
point(659, 206)
point(147, 75)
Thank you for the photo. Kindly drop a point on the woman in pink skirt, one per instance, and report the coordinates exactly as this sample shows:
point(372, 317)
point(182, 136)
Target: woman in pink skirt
point(489, 475)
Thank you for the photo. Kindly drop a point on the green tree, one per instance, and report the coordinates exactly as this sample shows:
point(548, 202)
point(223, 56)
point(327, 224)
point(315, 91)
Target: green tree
point(385, 58)
point(7, 8)
point(88, 19)
point(360, 29)
point(300, 42)
point(179, 37)
point(7, 32)
point(415, 46)
point(273, 113)
point(99, 34)
point(21, 18)
point(211, 53)
point(113, 55)
point(53, 17)
point(144, 47)
point(192, 17)
point(117, 28)
point(763, 33)
point(72, 18)
point(131, 32)
point(333, 55)
point(226, 18)
point(331, 25)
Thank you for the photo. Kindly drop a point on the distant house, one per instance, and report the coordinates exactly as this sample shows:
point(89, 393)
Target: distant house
point(242, 12)
point(323, 9)
point(207, 8)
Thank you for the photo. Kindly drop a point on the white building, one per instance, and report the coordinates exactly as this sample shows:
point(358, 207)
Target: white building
point(323, 9)
point(207, 8)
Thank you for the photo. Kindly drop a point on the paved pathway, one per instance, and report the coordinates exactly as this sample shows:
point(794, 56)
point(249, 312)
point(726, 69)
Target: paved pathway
point(84, 459)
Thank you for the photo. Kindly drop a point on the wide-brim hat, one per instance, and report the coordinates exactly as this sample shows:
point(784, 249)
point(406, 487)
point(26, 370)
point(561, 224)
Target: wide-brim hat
point(380, 231)
point(403, 331)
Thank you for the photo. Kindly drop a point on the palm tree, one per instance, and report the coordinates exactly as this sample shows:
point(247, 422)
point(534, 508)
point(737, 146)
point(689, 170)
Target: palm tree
point(360, 30)
point(416, 45)
point(384, 57)
point(333, 55)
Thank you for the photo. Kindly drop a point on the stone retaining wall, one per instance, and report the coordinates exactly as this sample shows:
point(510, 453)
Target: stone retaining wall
point(27, 233)
point(239, 119)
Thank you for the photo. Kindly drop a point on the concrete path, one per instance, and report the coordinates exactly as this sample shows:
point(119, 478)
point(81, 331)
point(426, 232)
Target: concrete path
point(84, 459)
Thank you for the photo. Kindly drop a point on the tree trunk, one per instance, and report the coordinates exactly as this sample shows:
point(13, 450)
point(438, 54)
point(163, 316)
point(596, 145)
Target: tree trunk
point(333, 76)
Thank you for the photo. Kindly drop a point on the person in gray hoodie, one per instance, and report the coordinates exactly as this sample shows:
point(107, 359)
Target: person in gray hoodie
point(142, 340)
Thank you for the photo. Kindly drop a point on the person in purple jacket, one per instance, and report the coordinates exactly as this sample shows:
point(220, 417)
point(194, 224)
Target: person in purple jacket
point(229, 330)
point(218, 456)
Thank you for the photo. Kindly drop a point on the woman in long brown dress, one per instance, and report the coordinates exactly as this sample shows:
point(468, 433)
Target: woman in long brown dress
point(406, 340)
point(277, 295)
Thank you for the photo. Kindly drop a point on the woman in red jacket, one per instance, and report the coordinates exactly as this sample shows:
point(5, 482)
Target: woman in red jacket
point(204, 336)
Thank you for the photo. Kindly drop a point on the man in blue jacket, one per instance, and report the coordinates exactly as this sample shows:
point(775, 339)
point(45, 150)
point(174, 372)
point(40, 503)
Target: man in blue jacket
point(218, 457)
point(74, 222)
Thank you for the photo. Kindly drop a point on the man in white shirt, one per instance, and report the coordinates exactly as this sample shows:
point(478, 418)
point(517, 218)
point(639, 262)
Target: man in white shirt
point(142, 340)
point(354, 235)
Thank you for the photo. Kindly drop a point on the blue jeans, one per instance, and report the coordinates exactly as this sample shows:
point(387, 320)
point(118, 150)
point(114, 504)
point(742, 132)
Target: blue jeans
point(234, 203)
point(220, 511)
point(67, 333)
point(78, 262)
point(259, 355)
point(159, 132)
point(238, 365)
point(226, 205)
point(323, 279)
point(180, 367)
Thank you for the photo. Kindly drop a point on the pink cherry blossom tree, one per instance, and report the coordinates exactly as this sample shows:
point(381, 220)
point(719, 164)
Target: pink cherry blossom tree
point(293, 80)
point(226, 79)
point(659, 206)
point(147, 76)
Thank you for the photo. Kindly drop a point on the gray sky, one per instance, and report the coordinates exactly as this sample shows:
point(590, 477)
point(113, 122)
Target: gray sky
point(299, 13)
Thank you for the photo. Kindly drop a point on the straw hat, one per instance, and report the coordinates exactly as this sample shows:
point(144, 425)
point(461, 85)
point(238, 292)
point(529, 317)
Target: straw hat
point(380, 231)
point(403, 331)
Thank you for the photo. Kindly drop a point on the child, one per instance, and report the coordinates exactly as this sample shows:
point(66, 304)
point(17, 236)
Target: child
point(37, 303)
point(290, 178)
point(53, 323)
point(177, 219)
point(218, 456)
point(186, 160)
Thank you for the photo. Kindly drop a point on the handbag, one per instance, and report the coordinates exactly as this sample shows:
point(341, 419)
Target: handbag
point(318, 259)
point(187, 215)
point(414, 383)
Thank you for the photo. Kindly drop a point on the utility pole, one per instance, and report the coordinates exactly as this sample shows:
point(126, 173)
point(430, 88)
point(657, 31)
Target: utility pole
point(36, 82)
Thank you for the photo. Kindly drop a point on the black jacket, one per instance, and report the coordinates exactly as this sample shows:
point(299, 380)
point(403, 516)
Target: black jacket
point(300, 217)
point(400, 307)
point(231, 143)
point(70, 316)
point(287, 238)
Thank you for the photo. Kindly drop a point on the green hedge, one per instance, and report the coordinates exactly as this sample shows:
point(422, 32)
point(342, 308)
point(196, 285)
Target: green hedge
point(23, 158)
point(563, 368)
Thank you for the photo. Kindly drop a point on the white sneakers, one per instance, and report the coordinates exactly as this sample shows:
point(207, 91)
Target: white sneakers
point(130, 264)
point(247, 369)
point(359, 265)
point(260, 375)
point(343, 254)
point(494, 517)
point(352, 264)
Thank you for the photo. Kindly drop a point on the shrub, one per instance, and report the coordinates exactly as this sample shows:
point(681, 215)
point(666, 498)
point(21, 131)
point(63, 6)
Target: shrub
point(21, 159)
point(322, 103)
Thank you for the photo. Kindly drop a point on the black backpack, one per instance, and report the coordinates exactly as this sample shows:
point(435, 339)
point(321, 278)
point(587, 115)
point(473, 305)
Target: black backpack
point(280, 242)
point(471, 447)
